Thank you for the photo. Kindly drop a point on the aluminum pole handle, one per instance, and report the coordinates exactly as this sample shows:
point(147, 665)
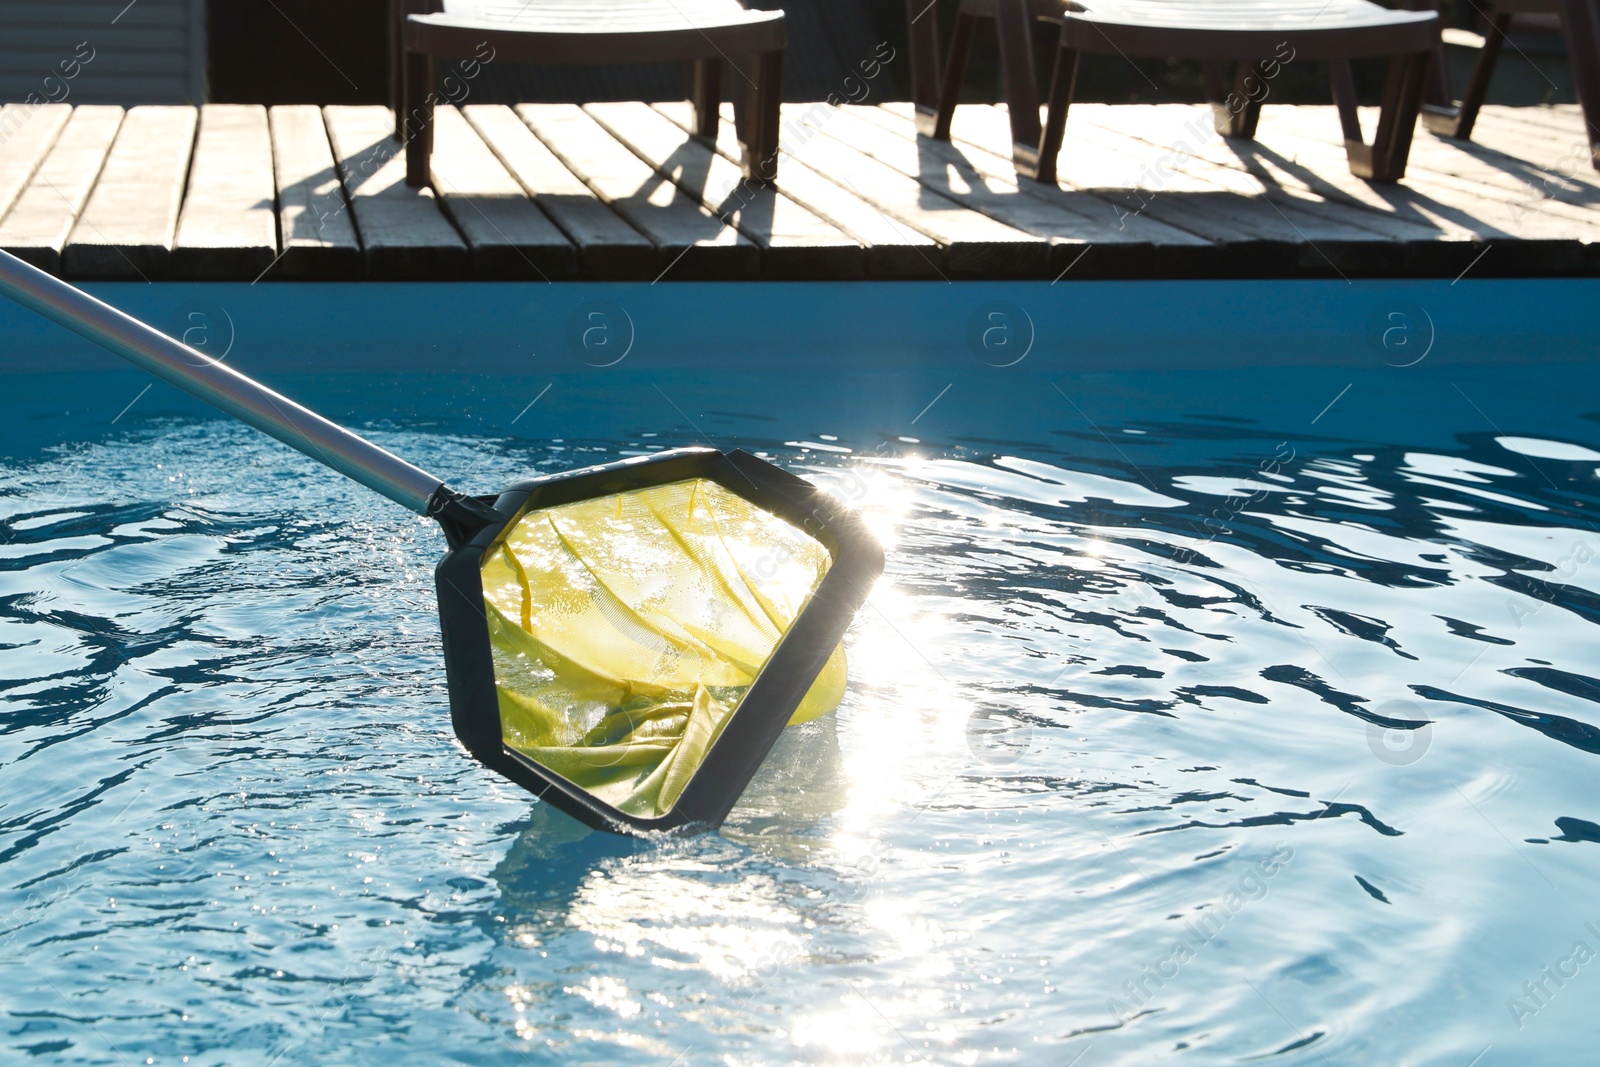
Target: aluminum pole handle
point(222, 387)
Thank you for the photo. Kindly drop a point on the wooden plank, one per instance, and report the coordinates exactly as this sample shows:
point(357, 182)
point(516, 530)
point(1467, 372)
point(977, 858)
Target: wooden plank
point(1527, 235)
point(1564, 146)
point(1561, 165)
point(317, 231)
point(893, 250)
point(509, 237)
point(1453, 207)
point(1527, 208)
point(1068, 226)
point(403, 232)
point(1223, 162)
point(1095, 240)
point(1173, 181)
point(1500, 172)
point(1564, 120)
point(1248, 242)
point(229, 226)
point(1328, 187)
point(38, 225)
point(1233, 198)
point(26, 134)
point(1420, 243)
point(127, 228)
point(859, 195)
point(975, 245)
point(694, 242)
point(1088, 219)
point(1490, 175)
point(795, 242)
point(608, 248)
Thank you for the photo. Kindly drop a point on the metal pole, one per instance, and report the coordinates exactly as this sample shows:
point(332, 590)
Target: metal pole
point(220, 386)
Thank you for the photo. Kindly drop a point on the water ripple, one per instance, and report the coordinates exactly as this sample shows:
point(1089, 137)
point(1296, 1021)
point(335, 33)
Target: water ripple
point(1195, 748)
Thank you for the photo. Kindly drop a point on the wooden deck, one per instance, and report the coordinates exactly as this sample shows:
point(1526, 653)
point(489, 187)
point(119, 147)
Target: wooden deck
point(620, 191)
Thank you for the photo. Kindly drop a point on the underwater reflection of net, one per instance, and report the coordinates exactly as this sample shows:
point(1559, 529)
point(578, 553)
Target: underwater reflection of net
point(626, 628)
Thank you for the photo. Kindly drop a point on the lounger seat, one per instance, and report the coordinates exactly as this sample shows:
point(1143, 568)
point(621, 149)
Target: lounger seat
point(702, 33)
point(1262, 35)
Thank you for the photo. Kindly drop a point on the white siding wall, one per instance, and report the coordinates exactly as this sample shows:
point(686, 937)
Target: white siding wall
point(146, 52)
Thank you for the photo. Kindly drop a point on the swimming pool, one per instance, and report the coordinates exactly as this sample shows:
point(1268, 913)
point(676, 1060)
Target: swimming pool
point(1226, 695)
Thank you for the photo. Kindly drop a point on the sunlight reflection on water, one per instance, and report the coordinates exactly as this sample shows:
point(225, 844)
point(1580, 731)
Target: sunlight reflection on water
point(237, 825)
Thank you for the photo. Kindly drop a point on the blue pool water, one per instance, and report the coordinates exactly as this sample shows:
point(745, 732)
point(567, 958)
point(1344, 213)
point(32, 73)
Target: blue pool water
point(1229, 694)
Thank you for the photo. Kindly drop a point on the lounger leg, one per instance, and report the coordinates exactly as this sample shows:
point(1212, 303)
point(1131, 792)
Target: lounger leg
point(1581, 19)
point(922, 23)
point(1062, 81)
point(1345, 99)
point(761, 119)
point(955, 71)
point(1014, 26)
point(397, 65)
point(398, 74)
point(705, 90)
point(1436, 90)
point(1240, 113)
point(418, 121)
point(1456, 121)
point(1385, 160)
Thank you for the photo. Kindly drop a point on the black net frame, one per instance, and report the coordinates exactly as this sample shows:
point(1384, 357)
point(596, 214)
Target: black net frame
point(759, 718)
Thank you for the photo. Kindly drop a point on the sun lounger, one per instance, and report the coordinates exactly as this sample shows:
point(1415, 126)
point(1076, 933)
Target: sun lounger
point(1262, 35)
point(702, 33)
point(1581, 21)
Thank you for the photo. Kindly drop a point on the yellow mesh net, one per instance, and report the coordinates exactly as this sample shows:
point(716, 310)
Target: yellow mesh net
point(627, 628)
